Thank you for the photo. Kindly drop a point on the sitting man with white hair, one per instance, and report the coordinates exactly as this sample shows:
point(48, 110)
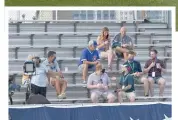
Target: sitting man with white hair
point(89, 59)
point(99, 83)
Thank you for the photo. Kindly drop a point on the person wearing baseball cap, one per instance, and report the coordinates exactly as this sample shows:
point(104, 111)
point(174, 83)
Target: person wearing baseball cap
point(88, 59)
point(126, 85)
point(137, 72)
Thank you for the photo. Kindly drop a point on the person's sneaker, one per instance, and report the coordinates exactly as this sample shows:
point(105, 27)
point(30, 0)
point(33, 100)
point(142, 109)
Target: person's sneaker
point(162, 98)
point(146, 95)
point(62, 96)
point(109, 68)
point(84, 83)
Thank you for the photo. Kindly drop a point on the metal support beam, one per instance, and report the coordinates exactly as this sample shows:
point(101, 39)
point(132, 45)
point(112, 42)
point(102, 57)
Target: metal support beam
point(122, 23)
point(88, 93)
point(89, 37)
point(18, 27)
point(165, 62)
point(45, 52)
point(165, 51)
point(136, 30)
point(74, 51)
point(60, 63)
point(136, 36)
point(46, 26)
point(31, 39)
point(16, 52)
point(59, 38)
point(151, 38)
point(75, 26)
point(166, 54)
point(74, 78)
point(117, 66)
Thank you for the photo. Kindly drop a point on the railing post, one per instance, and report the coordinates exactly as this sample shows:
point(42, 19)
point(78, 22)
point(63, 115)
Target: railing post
point(117, 66)
point(60, 63)
point(89, 37)
point(151, 38)
point(18, 27)
point(16, 52)
point(74, 51)
point(46, 26)
point(45, 52)
point(31, 39)
point(88, 93)
point(75, 26)
point(59, 38)
point(74, 78)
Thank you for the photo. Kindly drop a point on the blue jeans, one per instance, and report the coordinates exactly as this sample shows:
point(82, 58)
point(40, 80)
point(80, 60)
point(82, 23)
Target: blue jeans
point(13, 87)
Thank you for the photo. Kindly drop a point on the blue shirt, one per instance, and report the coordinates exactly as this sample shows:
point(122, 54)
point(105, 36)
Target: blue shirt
point(88, 55)
point(40, 79)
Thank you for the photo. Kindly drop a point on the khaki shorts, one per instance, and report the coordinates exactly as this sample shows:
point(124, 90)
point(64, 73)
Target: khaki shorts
point(104, 95)
point(137, 80)
point(128, 94)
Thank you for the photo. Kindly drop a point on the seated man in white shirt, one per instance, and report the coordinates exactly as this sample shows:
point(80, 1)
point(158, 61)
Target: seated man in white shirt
point(98, 83)
point(55, 77)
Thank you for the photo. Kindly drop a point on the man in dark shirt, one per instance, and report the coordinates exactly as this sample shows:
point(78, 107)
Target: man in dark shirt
point(122, 43)
point(154, 67)
point(136, 71)
point(126, 85)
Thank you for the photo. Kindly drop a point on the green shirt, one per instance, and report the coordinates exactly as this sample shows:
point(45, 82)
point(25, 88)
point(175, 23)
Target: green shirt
point(135, 66)
point(127, 80)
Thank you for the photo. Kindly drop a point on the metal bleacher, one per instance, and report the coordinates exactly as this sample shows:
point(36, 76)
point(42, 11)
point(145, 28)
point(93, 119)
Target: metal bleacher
point(68, 38)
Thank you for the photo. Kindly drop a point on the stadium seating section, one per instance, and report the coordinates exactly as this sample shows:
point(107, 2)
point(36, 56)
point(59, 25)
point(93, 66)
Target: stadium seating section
point(68, 38)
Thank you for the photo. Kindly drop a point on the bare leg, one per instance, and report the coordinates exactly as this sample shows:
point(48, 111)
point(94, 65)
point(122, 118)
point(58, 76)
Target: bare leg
point(55, 82)
point(111, 56)
point(111, 98)
point(125, 57)
point(122, 50)
point(63, 86)
point(85, 72)
point(132, 97)
point(145, 85)
point(94, 97)
point(120, 97)
point(58, 87)
point(151, 85)
point(161, 84)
